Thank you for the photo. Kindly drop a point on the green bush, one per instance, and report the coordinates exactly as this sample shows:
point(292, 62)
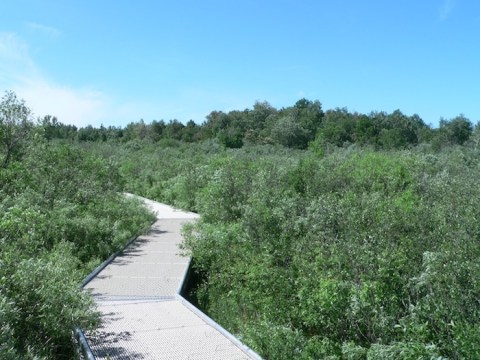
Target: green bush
point(61, 213)
point(357, 254)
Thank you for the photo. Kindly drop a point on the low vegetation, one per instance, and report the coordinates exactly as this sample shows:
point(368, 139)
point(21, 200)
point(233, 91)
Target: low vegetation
point(323, 235)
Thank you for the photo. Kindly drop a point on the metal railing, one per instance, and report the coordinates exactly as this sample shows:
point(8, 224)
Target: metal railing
point(84, 350)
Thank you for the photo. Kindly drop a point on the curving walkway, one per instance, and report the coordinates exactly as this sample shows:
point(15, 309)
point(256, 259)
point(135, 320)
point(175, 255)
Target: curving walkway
point(144, 317)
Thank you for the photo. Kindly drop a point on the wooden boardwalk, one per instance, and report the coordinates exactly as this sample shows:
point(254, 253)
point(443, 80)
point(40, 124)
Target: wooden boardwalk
point(144, 317)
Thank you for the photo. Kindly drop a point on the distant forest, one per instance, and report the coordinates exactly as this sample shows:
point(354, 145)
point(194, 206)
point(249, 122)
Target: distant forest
point(299, 126)
point(323, 234)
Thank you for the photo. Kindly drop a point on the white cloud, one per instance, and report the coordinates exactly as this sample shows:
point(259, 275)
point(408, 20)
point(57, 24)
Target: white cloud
point(45, 96)
point(71, 106)
point(14, 59)
point(45, 29)
point(446, 9)
point(87, 105)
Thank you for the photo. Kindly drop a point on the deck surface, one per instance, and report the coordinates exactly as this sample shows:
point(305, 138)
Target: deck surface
point(143, 317)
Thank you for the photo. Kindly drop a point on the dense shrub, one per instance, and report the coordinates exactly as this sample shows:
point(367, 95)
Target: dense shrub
point(358, 254)
point(61, 213)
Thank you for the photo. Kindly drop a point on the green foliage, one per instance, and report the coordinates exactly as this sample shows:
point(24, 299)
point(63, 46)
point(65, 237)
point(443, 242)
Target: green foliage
point(362, 247)
point(378, 129)
point(8, 314)
point(456, 131)
point(337, 127)
point(61, 213)
point(298, 125)
point(15, 123)
point(407, 351)
point(359, 255)
point(287, 131)
point(46, 302)
point(53, 129)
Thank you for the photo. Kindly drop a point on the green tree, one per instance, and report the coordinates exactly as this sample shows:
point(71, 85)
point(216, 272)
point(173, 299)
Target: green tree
point(396, 130)
point(296, 126)
point(309, 115)
point(365, 131)
point(457, 130)
point(337, 127)
point(15, 124)
point(174, 130)
point(156, 129)
point(287, 131)
point(191, 132)
point(50, 127)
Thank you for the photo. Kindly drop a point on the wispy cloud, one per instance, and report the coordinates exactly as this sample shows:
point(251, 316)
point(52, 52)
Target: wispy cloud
point(13, 51)
point(45, 96)
point(446, 9)
point(45, 29)
point(83, 104)
point(80, 107)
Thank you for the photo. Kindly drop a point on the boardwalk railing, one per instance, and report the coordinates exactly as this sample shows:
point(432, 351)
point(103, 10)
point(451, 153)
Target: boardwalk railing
point(84, 351)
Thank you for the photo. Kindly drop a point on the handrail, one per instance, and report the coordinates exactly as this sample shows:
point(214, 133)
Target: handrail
point(85, 351)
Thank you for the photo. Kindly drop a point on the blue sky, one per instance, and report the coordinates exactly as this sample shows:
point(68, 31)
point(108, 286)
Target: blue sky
point(112, 62)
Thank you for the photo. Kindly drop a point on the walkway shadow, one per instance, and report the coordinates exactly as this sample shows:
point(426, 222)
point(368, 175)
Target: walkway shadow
point(156, 232)
point(111, 345)
point(114, 345)
point(134, 249)
point(141, 240)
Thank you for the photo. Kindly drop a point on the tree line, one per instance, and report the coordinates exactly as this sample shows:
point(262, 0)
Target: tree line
point(300, 126)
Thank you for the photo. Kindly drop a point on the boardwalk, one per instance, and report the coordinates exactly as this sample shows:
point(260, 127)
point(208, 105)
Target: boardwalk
point(143, 315)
